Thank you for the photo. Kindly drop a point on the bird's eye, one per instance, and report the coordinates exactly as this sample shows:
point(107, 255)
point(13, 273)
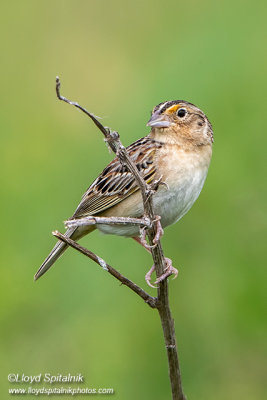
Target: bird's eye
point(181, 112)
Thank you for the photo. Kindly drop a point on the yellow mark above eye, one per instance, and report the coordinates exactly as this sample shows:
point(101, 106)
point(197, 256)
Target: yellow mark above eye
point(172, 109)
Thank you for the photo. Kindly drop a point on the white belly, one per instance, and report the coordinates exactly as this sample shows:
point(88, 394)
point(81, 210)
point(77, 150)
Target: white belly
point(171, 204)
point(174, 203)
point(184, 173)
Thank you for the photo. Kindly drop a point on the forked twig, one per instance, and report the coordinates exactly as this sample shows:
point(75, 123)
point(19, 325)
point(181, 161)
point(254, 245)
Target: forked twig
point(162, 301)
point(151, 301)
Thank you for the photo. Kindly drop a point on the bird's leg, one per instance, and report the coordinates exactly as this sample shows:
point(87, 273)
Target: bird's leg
point(159, 230)
point(142, 240)
point(169, 270)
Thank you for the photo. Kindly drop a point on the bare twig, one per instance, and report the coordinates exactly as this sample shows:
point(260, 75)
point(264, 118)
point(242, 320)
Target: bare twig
point(73, 103)
point(91, 220)
point(111, 137)
point(113, 140)
point(151, 301)
point(162, 304)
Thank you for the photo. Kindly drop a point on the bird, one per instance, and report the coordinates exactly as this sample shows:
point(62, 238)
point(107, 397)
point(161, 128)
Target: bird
point(177, 151)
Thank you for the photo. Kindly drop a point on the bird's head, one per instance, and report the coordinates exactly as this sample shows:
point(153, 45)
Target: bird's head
point(179, 121)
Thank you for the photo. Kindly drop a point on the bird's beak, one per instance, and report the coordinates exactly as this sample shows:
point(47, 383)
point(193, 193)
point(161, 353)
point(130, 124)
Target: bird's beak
point(158, 121)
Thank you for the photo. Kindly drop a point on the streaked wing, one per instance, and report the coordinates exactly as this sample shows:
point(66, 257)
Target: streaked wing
point(116, 183)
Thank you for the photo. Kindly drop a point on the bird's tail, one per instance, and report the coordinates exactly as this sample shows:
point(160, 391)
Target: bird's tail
point(57, 251)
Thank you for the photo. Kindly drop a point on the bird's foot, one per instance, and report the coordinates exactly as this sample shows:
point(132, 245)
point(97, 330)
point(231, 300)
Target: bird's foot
point(159, 230)
point(148, 277)
point(154, 185)
point(169, 270)
point(142, 240)
point(158, 235)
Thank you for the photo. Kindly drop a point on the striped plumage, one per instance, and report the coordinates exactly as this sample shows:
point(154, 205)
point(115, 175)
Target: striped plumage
point(115, 183)
point(178, 150)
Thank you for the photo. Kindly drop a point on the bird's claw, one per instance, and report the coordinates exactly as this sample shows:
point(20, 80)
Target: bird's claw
point(169, 270)
point(143, 241)
point(148, 277)
point(158, 235)
point(157, 182)
point(159, 230)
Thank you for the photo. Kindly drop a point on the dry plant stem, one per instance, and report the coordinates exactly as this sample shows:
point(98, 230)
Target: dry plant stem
point(162, 304)
point(91, 220)
point(151, 301)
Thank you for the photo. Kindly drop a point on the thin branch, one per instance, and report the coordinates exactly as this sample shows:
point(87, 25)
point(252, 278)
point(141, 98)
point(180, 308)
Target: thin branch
point(151, 301)
point(113, 139)
point(75, 104)
point(110, 136)
point(91, 220)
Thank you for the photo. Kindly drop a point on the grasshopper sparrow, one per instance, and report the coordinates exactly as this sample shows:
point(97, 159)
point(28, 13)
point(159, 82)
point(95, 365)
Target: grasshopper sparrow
point(177, 150)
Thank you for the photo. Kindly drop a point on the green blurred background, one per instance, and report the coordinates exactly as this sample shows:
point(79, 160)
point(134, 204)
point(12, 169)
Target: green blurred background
point(119, 59)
